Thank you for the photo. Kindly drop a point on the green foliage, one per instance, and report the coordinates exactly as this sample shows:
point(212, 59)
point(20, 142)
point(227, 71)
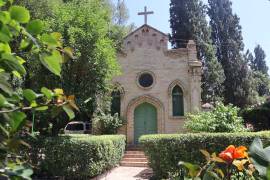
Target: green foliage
point(228, 40)
point(106, 123)
point(220, 119)
point(260, 157)
point(86, 26)
point(75, 156)
point(259, 62)
point(165, 151)
point(258, 117)
point(188, 21)
point(18, 37)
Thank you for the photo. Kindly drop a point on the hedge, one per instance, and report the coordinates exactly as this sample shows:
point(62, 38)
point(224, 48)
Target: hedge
point(76, 156)
point(165, 151)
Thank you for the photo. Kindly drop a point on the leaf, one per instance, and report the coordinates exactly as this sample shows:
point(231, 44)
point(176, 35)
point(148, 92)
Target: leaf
point(2, 100)
point(19, 13)
point(47, 92)
point(11, 63)
point(268, 173)
point(193, 169)
point(5, 34)
point(52, 62)
point(4, 47)
point(17, 74)
point(4, 84)
point(209, 175)
point(49, 40)
point(206, 154)
point(4, 17)
point(69, 111)
point(43, 108)
point(2, 3)
point(35, 27)
point(58, 91)
point(17, 119)
point(240, 164)
point(220, 172)
point(30, 95)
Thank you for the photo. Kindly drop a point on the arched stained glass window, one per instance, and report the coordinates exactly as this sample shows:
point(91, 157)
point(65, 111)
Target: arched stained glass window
point(116, 102)
point(177, 101)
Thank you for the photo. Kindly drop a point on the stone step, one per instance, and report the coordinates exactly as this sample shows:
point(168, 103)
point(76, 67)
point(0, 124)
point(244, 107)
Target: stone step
point(134, 164)
point(135, 152)
point(134, 156)
point(135, 160)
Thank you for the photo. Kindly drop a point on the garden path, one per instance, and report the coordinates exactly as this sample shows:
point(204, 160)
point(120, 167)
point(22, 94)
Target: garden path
point(126, 173)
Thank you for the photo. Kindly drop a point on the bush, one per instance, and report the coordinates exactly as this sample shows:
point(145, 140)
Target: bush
point(106, 123)
point(258, 117)
point(75, 156)
point(165, 151)
point(220, 119)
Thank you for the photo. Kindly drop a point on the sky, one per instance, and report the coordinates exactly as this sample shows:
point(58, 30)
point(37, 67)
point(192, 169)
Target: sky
point(254, 19)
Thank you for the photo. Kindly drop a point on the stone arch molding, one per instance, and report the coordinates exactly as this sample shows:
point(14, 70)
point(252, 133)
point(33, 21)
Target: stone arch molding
point(130, 114)
point(180, 84)
point(185, 94)
point(119, 87)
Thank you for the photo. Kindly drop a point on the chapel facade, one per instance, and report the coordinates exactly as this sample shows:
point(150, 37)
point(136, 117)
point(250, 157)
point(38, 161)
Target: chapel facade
point(158, 86)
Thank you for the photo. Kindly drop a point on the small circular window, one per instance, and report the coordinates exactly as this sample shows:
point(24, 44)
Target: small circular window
point(146, 80)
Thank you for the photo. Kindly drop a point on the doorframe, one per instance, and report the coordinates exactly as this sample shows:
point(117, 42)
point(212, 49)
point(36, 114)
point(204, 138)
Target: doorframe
point(130, 115)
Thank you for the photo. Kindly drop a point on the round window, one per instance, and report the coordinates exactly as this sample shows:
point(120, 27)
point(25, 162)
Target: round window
point(146, 80)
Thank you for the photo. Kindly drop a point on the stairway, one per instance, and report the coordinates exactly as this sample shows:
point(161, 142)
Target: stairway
point(134, 157)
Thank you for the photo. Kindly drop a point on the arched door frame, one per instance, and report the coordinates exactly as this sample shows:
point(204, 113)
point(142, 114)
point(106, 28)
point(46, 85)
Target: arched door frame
point(130, 115)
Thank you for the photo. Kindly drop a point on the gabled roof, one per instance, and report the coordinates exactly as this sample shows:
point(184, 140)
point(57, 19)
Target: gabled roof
point(145, 25)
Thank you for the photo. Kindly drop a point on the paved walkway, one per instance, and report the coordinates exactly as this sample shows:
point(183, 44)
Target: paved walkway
point(126, 173)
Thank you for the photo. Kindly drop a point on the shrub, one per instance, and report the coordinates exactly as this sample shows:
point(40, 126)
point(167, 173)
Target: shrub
point(106, 123)
point(258, 117)
point(221, 119)
point(75, 156)
point(165, 151)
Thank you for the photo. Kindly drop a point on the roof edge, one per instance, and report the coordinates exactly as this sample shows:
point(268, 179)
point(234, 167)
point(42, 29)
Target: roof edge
point(142, 27)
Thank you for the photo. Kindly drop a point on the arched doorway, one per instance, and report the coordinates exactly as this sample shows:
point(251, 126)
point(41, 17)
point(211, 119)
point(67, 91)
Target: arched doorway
point(145, 120)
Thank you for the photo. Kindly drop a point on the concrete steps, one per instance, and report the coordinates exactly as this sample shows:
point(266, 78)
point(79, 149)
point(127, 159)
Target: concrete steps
point(134, 157)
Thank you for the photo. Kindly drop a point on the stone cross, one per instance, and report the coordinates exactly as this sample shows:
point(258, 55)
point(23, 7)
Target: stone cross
point(145, 13)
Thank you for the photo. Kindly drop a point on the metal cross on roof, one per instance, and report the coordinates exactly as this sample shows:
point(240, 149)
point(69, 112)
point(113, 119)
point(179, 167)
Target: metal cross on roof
point(145, 13)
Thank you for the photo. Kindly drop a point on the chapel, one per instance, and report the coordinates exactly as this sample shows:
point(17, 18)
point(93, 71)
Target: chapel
point(158, 86)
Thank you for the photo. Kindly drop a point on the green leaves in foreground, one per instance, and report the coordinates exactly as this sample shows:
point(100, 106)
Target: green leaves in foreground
point(260, 157)
point(34, 27)
point(52, 62)
point(19, 13)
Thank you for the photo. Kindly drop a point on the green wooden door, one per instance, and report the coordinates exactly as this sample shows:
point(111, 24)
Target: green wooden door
point(145, 120)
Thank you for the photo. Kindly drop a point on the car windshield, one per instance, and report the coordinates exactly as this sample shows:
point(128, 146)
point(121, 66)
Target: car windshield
point(75, 127)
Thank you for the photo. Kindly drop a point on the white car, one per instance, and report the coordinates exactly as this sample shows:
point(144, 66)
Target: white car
point(77, 127)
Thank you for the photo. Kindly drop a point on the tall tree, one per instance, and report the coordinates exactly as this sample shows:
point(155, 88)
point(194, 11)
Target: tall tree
point(227, 38)
point(259, 63)
point(188, 21)
point(85, 27)
point(259, 70)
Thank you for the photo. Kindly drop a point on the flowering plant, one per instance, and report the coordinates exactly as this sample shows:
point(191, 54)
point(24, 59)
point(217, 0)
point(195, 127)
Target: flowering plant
point(232, 162)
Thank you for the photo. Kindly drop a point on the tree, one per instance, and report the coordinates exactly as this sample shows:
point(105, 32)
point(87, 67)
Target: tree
point(20, 36)
point(86, 27)
point(259, 70)
point(119, 28)
point(259, 63)
point(188, 21)
point(227, 38)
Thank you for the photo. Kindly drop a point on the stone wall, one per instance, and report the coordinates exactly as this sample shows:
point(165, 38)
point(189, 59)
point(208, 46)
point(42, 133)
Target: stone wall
point(145, 50)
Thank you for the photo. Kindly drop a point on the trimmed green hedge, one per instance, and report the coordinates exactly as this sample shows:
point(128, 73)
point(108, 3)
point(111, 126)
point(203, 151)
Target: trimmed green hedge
point(165, 151)
point(75, 156)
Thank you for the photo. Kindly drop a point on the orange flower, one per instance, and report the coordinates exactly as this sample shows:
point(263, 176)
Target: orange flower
point(231, 153)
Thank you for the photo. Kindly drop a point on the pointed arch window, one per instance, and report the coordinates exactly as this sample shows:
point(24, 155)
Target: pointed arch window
point(116, 102)
point(177, 101)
